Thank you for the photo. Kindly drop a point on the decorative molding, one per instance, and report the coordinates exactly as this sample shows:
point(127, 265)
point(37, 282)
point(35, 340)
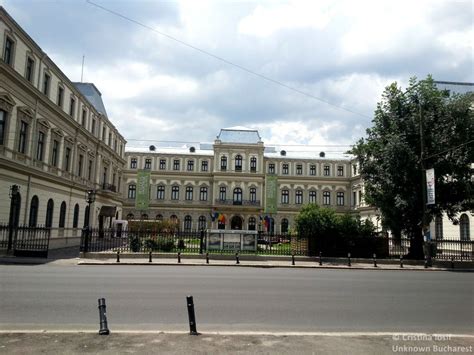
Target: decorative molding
point(6, 102)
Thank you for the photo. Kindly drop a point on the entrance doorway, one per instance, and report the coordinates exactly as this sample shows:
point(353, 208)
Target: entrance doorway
point(236, 223)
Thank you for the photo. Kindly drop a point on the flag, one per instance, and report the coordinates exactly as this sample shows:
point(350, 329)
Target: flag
point(221, 218)
point(214, 216)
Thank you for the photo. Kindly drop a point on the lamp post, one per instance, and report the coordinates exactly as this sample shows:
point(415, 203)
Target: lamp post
point(90, 199)
point(13, 220)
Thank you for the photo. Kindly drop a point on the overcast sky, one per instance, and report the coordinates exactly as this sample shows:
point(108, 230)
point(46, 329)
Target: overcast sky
point(343, 52)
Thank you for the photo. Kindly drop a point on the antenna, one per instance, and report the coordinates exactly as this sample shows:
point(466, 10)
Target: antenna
point(82, 70)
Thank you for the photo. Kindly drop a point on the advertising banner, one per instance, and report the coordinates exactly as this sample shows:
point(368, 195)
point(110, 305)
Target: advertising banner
point(430, 187)
point(142, 199)
point(271, 194)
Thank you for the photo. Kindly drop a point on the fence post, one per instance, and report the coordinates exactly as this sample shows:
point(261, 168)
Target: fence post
point(191, 316)
point(293, 258)
point(401, 261)
point(452, 262)
point(426, 262)
point(375, 260)
point(104, 330)
point(237, 261)
point(201, 241)
point(207, 258)
point(118, 256)
point(179, 257)
point(348, 259)
point(320, 259)
point(149, 257)
point(86, 232)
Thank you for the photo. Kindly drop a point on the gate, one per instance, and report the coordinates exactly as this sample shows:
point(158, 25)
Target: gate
point(25, 241)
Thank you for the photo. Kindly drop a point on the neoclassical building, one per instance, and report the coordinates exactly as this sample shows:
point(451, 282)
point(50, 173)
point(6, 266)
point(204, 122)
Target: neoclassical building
point(239, 179)
point(56, 142)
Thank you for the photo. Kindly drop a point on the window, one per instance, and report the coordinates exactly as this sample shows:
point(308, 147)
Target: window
point(354, 169)
point(46, 82)
point(354, 198)
point(299, 169)
point(340, 170)
point(238, 162)
point(285, 197)
point(190, 165)
point(271, 168)
point(284, 225)
point(62, 215)
point(93, 127)
point(326, 198)
point(72, 106)
point(202, 223)
point(110, 139)
point(237, 196)
point(204, 165)
point(176, 164)
point(67, 158)
point(103, 133)
point(54, 153)
point(222, 193)
point(223, 163)
point(464, 227)
point(285, 169)
point(22, 139)
point(40, 146)
point(203, 194)
point(84, 117)
point(340, 199)
point(326, 170)
point(252, 223)
point(104, 178)
point(312, 197)
point(160, 192)
point(144, 217)
point(175, 193)
point(189, 193)
point(253, 164)
point(438, 228)
point(159, 217)
point(8, 53)
point(3, 125)
point(75, 218)
point(299, 197)
point(312, 170)
point(253, 194)
point(133, 163)
point(60, 96)
point(130, 216)
point(49, 214)
point(80, 164)
point(33, 212)
point(132, 191)
point(30, 69)
point(89, 172)
point(162, 164)
point(188, 223)
point(119, 183)
point(147, 164)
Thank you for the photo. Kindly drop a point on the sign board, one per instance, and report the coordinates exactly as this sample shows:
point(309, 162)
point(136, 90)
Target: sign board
point(142, 199)
point(271, 194)
point(430, 187)
point(231, 240)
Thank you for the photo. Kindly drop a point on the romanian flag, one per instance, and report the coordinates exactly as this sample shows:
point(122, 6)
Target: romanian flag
point(221, 218)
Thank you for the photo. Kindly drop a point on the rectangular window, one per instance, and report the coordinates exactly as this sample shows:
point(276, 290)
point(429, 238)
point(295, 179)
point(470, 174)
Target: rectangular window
point(312, 197)
point(285, 169)
point(223, 163)
point(103, 133)
point(253, 165)
point(46, 80)
point(104, 178)
point(60, 96)
point(93, 127)
point(189, 193)
point(299, 169)
point(340, 199)
point(327, 170)
point(147, 164)
point(253, 194)
point(119, 183)
point(133, 163)
point(54, 154)
point(72, 107)
point(3, 124)
point(190, 165)
point(89, 171)
point(110, 139)
point(84, 117)
point(340, 170)
point(30, 69)
point(204, 165)
point(22, 137)
point(312, 170)
point(115, 144)
point(132, 191)
point(271, 168)
point(285, 197)
point(162, 164)
point(160, 192)
point(8, 54)
point(222, 193)
point(79, 165)
point(175, 193)
point(67, 158)
point(203, 194)
point(40, 146)
point(176, 164)
point(299, 197)
point(326, 198)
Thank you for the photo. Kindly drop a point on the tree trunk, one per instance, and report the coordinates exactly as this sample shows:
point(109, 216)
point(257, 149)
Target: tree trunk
point(416, 245)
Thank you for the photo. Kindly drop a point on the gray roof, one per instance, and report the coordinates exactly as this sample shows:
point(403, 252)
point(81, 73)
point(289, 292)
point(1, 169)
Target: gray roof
point(239, 135)
point(93, 95)
point(455, 87)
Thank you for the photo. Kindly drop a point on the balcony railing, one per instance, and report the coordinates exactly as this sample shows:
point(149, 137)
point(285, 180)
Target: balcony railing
point(109, 187)
point(238, 202)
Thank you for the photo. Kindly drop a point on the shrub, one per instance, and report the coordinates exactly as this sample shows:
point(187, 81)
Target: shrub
point(159, 244)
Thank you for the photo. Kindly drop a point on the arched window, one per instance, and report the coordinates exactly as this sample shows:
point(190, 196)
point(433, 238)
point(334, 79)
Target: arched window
point(284, 225)
point(62, 215)
point(144, 216)
point(130, 216)
point(464, 227)
point(253, 194)
point(188, 223)
point(86, 217)
point(438, 227)
point(252, 223)
point(238, 162)
point(174, 219)
point(159, 218)
point(49, 214)
point(202, 223)
point(224, 163)
point(34, 211)
point(326, 198)
point(75, 219)
point(237, 196)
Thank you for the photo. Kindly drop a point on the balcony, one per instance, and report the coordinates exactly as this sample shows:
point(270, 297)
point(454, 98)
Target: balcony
point(109, 187)
point(237, 202)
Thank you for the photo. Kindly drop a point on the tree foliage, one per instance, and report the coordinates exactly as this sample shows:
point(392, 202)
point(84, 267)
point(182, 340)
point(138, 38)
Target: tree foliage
point(391, 159)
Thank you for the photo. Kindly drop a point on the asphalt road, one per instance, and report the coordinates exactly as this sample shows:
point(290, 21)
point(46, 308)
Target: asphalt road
point(64, 297)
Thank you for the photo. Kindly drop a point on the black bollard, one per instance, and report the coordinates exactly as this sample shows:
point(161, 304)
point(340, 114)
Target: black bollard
point(118, 256)
point(320, 258)
point(401, 261)
point(293, 258)
point(179, 257)
point(452, 262)
point(192, 317)
point(349, 259)
point(104, 330)
point(207, 258)
point(375, 260)
point(149, 257)
point(237, 261)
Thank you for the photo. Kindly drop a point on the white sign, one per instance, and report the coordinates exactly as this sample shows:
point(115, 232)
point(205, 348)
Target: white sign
point(430, 187)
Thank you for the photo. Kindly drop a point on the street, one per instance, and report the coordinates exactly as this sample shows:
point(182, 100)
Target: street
point(64, 297)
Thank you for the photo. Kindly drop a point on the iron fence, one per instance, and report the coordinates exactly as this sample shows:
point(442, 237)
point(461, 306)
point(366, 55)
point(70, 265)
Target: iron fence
point(25, 240)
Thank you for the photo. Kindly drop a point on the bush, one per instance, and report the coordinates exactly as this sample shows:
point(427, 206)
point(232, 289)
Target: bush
point(159, 244)
point(135, 244)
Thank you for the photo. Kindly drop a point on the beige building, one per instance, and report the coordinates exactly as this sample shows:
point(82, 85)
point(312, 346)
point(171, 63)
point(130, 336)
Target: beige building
point(56, 142)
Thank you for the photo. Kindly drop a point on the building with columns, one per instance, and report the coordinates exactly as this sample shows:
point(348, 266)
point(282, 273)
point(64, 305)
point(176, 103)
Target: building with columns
point(56, 142)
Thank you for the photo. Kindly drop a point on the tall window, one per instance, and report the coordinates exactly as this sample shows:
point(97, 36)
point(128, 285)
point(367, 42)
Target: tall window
point(253, 194)
point(203, 193)
point(34, 211)
point(439, 227)
point(327, 170)
point(46, 82)
point(190, 165)
point(312, 170)
point(30, 69)
point(110, 139)
point(130, 216)
point(176, 164)
point(285, 197)
point(84, 117)
point(49, 214)
point(62, 215)
point(222, 193)
point(340, 170)
point(188, 223)
point(89, 172)
point(253, 164)
point(189, 193)
point(67, 159)
point(80, 164)
point(162, 164)
point(147, 164)
point(326, 198)
point(340, 198)
point(285, 169)
point(252, 223)
point(3, 124)
point(354, 170)
point(60, 96)
point(93, 128)
point(299, 197)
point(133, 163)
point(54, 153)
point(132, 191)
point(312, 197)
point(464, 227)
point(223, 163)
point(238, 162)
point(75, 218)
point(299, 169)
point(204, 165)
point(202, 223)
point(284, 225)
point(160, 192)
point(72, 106)
point(40, 146)
point(175, 193)
point(104, 178)
point(23, 137)
point(159, 217)
point(271, 168)
point(8, 53)
point(237, 196)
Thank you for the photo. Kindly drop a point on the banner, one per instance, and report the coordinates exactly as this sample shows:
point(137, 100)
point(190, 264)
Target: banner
point(430, 187)
point(142, 200)
point(271, 194)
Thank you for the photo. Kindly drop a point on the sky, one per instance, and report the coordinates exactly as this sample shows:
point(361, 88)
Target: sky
point(301, 72)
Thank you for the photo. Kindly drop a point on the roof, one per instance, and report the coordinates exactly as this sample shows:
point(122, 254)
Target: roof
point(455, 87)
point(93, 95)
point(239, 135)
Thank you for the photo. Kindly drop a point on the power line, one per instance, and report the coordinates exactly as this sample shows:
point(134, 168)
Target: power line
point(274, 81)
point(450, 149)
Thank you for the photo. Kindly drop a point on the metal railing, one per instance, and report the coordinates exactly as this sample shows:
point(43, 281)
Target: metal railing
point(25, 240)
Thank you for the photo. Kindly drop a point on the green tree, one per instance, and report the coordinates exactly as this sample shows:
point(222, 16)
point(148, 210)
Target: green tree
point(314, 221)
point(420, 128)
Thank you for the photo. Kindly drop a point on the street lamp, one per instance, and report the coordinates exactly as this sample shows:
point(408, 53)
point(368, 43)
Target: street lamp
point(14, 193)
point(90, 199)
